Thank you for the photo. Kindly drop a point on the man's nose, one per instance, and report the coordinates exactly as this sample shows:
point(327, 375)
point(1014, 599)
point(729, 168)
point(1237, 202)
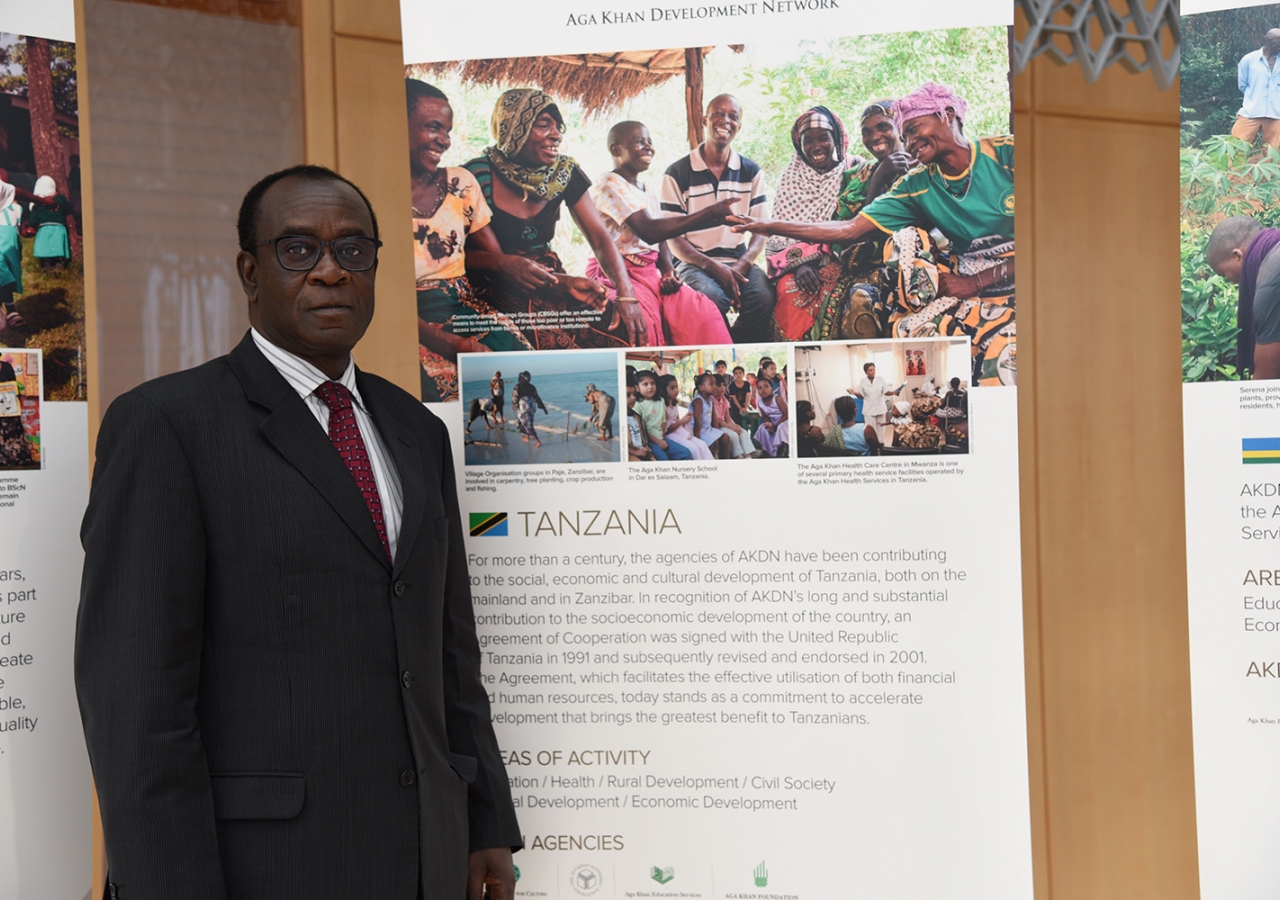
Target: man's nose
point(326, 270)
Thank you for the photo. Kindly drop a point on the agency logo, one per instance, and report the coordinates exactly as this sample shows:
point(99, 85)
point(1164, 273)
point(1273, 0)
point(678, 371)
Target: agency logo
point(517, 868)
point(489, 524)
point(1007, 202)
point(662, 876)
point(586, 879)
point(761, 875)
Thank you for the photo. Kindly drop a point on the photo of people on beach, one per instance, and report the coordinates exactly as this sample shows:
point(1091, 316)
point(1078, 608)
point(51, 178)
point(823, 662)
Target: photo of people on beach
point(836, 188)
point(19, 409)
point(540, 408)
point(882, 398)
point(707, 403)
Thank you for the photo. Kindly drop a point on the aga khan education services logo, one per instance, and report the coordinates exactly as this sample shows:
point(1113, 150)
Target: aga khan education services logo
point(488, 524)
point(661, 875)
point(586, 880)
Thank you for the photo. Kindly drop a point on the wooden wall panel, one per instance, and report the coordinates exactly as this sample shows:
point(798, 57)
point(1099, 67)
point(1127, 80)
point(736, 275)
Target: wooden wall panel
point(377, 19)
point(1025, 136)
point(1101, 426)
point(98, 849)
point(319, 113)
point(373, 151)
point(1118, 94)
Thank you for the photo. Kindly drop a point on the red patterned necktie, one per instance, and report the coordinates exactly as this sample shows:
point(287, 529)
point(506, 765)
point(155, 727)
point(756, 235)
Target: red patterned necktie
point(345, 434)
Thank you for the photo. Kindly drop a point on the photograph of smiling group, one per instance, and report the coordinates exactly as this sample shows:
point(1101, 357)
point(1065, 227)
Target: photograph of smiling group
point(832, 188)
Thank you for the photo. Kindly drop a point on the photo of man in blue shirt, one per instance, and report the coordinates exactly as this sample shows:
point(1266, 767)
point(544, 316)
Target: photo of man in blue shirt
point(1260, 85)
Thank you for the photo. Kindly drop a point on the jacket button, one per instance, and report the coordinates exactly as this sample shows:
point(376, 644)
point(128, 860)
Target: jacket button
point(407, 678)
point(399, 589)
point(407, 778)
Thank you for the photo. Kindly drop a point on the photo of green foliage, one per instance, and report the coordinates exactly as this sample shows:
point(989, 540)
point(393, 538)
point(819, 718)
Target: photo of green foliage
point(1220, 176)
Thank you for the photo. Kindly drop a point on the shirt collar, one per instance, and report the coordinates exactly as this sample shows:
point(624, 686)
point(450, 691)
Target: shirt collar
point(302, 376)
point(700, 165)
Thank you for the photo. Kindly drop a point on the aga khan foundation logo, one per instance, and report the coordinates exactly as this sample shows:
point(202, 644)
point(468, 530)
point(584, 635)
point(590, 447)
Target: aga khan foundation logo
point(586, 879)
point(761, 875)
point(661, 875)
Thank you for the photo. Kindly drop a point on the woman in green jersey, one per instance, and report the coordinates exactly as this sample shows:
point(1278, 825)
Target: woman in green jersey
point(964, 190)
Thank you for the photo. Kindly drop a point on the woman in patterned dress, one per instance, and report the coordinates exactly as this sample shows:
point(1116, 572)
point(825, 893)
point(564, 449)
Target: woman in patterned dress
point(448, 211)
point(526, 181)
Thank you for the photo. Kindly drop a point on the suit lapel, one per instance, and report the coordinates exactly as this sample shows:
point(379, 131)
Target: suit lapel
point(407, 455)
point(294, 432)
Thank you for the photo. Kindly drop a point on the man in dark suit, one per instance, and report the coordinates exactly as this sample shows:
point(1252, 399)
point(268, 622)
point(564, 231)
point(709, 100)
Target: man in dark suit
point(276, 656)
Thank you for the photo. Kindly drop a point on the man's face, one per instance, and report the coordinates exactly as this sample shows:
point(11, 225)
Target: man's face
point(1230, 265)
point(724, 118)
point(871, 373)
point(1271, 42)
point(323, 312)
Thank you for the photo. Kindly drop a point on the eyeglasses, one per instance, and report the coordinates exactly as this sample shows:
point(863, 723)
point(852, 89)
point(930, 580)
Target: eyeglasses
point(299, 253)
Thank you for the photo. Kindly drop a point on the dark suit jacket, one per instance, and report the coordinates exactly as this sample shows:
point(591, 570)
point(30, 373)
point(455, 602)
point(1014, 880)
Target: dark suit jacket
point(272, 709)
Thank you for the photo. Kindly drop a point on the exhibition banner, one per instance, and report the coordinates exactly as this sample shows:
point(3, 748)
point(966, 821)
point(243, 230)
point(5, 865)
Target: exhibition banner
point(717, 303)
point(1230, 351)
point(45, 788)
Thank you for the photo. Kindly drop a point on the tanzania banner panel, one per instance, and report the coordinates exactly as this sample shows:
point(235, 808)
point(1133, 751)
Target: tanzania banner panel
point(718, 304)
point(1231, 368)
point(45, 790)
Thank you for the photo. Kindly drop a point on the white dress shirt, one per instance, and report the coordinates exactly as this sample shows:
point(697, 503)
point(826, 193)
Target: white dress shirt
point(305, 378)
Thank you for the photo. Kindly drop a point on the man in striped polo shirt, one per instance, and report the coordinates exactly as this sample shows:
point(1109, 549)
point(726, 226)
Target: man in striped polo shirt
point(715, 261)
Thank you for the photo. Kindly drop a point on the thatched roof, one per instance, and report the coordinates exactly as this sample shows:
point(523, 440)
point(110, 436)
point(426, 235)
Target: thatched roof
point(657, 356)
point(599, 82)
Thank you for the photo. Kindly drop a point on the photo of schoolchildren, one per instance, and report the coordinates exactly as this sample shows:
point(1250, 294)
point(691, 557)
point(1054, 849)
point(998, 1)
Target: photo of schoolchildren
point(559, 408)
point(882, 398)
point(701, 404)
point(19, 409)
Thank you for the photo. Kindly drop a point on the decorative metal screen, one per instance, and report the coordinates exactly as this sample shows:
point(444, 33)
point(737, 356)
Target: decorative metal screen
point(1096, 33)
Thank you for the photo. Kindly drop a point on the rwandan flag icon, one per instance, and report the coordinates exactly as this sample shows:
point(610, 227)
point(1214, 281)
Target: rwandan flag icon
point(495, 524)
point(1258, 451)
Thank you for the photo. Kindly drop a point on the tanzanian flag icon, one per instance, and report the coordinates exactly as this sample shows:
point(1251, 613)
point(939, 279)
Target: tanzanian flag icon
point(488, 524)
point(1257, 451)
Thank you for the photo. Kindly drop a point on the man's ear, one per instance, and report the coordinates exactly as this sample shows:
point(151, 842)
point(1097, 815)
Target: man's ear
point(247, 269)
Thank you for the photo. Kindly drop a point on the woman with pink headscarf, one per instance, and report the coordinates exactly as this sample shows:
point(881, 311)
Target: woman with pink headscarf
point(962, 189)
